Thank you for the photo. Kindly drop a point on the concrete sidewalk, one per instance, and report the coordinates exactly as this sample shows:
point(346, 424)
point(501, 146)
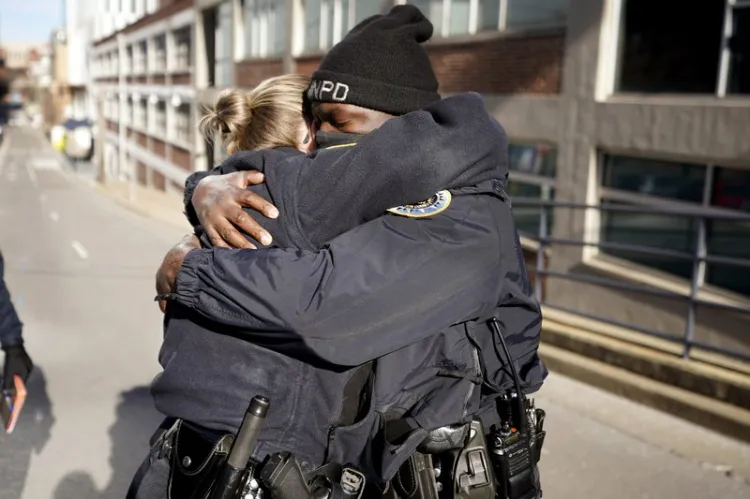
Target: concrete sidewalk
point(147, 202)
point(151, 203)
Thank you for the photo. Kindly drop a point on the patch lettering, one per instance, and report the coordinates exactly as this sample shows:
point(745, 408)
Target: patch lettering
point(319, 89)
point(436, 204)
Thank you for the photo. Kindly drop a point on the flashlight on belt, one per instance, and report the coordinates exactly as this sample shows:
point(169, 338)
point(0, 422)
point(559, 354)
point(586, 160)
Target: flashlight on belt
point(242, 448)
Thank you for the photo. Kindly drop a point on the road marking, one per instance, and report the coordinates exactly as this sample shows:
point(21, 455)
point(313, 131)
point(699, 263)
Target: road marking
point(78, 247)
point(32, 176)
point(4, 152)
point(45, 163)
point(54, 216)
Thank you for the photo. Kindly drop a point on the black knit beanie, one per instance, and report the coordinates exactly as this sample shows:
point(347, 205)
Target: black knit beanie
point(380, 65)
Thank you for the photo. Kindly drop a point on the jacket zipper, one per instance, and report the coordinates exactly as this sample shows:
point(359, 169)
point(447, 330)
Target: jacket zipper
point(477, 373)
point(331, 438)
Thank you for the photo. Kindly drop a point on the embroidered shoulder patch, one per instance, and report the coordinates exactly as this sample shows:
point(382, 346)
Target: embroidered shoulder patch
point(436, 204)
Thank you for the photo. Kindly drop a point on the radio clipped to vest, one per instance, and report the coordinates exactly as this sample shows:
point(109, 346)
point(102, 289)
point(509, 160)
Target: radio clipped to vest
point(467, 462)
point(515, 444)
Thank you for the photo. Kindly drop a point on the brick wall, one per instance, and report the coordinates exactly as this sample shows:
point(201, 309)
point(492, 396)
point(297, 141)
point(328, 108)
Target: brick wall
point(159, 181)
point(159, 147)
point(497, 65)
point(500, 65)
point(140, 138)
point(181, 158)
point(306, 65)
point(141, 173)
point(182, 78)
point(252, 72)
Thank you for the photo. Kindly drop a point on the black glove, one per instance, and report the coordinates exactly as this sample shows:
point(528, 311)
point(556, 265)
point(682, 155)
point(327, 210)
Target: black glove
point(17, 362)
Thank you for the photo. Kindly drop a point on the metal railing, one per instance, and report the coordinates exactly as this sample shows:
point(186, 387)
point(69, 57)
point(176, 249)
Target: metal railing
point(696, 258)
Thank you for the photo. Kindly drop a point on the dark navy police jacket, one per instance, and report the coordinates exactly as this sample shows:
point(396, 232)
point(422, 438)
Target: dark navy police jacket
point(409, 296)
point(10, 325)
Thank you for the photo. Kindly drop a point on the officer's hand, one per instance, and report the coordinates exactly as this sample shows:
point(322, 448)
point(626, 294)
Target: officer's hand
point(17, 362)
point(167, 273)
point(218, 201)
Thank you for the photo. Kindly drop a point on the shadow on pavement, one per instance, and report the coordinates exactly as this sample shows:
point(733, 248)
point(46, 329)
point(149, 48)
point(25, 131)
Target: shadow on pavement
point(31, 434)
point(129, 435)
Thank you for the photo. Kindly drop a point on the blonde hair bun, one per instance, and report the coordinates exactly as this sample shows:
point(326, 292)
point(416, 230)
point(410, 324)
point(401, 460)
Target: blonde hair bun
point(266, 117)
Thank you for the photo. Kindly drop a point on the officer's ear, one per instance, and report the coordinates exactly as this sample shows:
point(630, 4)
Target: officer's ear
point(307, 134)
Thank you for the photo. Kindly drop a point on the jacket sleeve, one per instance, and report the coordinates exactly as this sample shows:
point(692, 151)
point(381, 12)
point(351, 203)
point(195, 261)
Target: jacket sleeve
point(10, 324)
point(242, 161)
point(407, 160)
point(394, 279)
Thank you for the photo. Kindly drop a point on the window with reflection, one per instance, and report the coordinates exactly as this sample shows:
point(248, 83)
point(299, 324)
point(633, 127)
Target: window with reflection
point(265, 28)
point(711, 190)
point(184, 129)
point(532, 177)
point(466, 17)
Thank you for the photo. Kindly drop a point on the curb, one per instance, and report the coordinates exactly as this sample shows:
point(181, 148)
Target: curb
point(723, 385)
point(719, 416)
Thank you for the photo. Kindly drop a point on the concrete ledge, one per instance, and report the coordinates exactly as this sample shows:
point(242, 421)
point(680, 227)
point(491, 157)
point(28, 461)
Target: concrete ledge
point(714, 414)
point(718, 383)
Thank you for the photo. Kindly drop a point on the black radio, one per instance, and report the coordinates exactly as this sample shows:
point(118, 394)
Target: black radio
point(513, 460)
point(515, 446)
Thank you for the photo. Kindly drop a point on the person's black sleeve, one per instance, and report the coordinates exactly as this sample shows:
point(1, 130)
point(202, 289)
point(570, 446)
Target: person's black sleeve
point(10, 324)
point(450, 144)
point(393, 279)
point(241, 161)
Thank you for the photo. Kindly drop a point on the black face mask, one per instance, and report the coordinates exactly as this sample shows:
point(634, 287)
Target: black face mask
point(328, 139)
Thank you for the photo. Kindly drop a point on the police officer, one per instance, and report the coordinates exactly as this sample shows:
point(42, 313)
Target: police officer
point(394, 290)
point(17, 361)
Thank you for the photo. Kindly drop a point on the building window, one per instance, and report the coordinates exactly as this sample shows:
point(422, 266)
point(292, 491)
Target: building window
point(467, 17)
point(328, 21)
point(265, 28)
point(532, 175)
point(711, 189)
point(127, 119)
point(160, 118)
point(183, 49)
point(737, 48)
point(694, 56)
point(312, 25)
point(183, 129)
point(160, 54)
point(223, 60)
point(139, 113)
point(140, 53)
point(534, 13)
point(128, 60)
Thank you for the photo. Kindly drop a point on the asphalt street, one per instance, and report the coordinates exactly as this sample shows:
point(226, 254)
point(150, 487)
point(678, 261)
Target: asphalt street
point(80, 269)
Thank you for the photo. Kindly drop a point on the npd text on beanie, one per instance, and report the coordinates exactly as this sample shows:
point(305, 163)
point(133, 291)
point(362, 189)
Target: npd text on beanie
point(380, 64)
